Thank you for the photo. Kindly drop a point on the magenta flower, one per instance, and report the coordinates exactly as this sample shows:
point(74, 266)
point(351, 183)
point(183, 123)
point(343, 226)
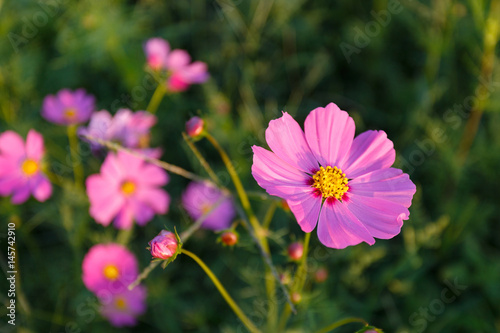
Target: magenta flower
point(109, 267)
point(164, 245)
point(129, 129)
point(199, 198)
point(156, 50)
point(68, 108)
point(122, 309)
point(344, 184)
point(184, 73)
point(21, 167)
point(127, 189)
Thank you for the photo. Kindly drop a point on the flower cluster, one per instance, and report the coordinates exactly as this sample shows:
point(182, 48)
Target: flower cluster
point(108, 270)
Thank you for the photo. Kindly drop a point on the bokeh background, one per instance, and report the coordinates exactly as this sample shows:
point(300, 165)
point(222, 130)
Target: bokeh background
point(424, 71)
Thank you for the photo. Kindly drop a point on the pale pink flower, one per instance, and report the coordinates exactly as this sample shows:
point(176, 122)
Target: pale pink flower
point(343, 184)
point(21, 167)
point(110, 267)
point(122, 309)
point(183, 73)
point(68, 107)
point(127, 189)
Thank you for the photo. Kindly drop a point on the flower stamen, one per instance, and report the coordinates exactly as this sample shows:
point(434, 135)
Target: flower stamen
point(29, 167)
point(111, 272)
point(331, 182)
point(128, 188)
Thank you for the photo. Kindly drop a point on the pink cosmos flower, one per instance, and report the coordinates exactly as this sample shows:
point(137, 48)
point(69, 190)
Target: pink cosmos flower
point(109, 267)
point(343, 184)
point(184, 73)
point(199, 197)
point(68, 108)
point(20, 167)
point(122, 309)
point(127, 189)
point(164, 245)
point(156, 50)
point(129, 129)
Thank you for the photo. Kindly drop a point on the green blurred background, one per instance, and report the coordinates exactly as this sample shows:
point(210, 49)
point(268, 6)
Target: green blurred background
point(423, 71)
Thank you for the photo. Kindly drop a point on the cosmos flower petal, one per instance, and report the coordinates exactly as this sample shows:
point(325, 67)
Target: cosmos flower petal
point(143, 213)
point(11, 144)
point(275, 175)
point(20, 194)
point(104, 201)
point(178, 59)
point(329, 132)
point(125, 218)
point(155, 198)
point(286, 139)
point(382, 218)
point(339, 228)
point(370, 151)
point(43, 190)
point(306, 208)
point(34, 145)
point(390, 184)
point(154, 175)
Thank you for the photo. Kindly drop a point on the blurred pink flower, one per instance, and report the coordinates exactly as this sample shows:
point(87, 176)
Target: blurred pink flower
point(127, 189)
point(127, 128)
point(110, 267)
point(68, 108)
point(122, 309)
point(21, 167)
point(328, 175)
point(199, 197)
point(184, 73)
point(156, 50)
point(164, 245)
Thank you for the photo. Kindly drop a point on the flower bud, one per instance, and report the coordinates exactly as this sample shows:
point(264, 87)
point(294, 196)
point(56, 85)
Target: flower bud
point(295, 251)
point(295, 297)
point(229, 238)
point(164, 245)
point(321, 275)
point(194, 126)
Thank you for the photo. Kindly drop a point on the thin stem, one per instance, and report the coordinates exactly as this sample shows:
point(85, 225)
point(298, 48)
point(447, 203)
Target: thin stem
point(269, 215)
point(201, 159)
point(298, 282)
point(156, 98)
point(124, 235)
point(164, 165)
point(76, 161)
point(249, 325)
point(341, 323)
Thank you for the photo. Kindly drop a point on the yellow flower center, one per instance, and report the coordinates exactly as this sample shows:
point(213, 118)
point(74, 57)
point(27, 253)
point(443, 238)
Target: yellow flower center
point(205, 208)
point(111, 272)
point(128, 188)
point(331, 182)
point(69, 113)
point(120, 303)
point(29, 167)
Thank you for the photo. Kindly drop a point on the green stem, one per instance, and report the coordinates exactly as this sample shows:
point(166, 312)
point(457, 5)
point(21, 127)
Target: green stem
point(341, 323)
point(269, 215)
point(249, 325)
point(155, 101)
point(201, 159)
point(76, 161)
point(124, 235)
point(298, 282)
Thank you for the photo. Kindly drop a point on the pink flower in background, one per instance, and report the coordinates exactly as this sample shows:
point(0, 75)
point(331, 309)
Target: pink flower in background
point(343, 184)
point(109, 267)
point(122, 309)
point(200, 197)
point(21, 167)
point(127, 128)
point(127, 189)
point(68, 108)
point(164, 245)
point(183, 72)
point(156, 50)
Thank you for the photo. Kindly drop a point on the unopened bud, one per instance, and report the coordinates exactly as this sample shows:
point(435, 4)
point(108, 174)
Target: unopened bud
point(321, 275)
point(295, 298)
point(229, 238)
point(164, 245)
point(295, 251)
point(194, 126)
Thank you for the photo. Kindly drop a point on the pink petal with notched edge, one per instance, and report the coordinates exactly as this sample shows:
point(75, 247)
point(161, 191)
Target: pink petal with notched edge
point(11, 144)
point(112, 170)
point(306, 208)
point(153, 175)
point(370, 151)
point(339, 228)
point(105, 200)
point(43, 189)
point(275, 175)
point(20, 193)
point(131, 165)
point(155, 198)
point(390, 184)
point(34, 145)
point(382, 218)
point(329, 132)
point(178, 59)
point(196, 72)
point(286, 139)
